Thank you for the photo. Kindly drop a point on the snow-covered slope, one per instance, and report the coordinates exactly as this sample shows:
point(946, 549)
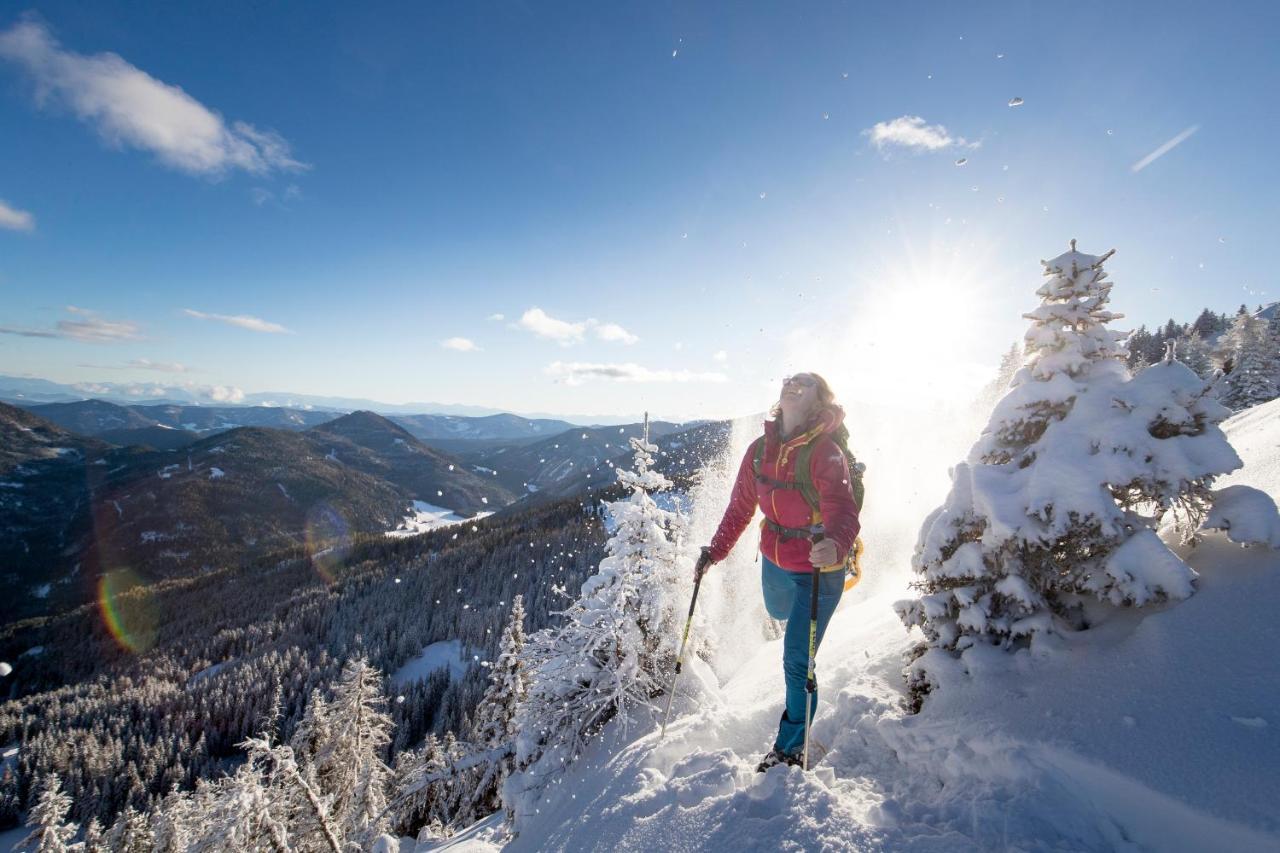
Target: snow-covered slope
point(1156, 730)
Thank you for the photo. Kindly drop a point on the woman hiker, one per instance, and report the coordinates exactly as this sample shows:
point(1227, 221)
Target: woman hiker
point(790, 549)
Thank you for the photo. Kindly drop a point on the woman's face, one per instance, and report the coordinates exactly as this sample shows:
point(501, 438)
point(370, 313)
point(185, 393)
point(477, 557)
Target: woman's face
point(799, 394)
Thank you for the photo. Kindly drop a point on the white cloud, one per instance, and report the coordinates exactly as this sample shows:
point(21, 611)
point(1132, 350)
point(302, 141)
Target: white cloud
point(576, 372)
point(15, 219)
point(913, 132)
point(460, 344)
point(222, 393)
point(721, 356)
point(89, 329)
point(162, 366)
point(565, 333)
point(545, 326)
point(129, 107)
point(261, 195)
point(243, 321)
point(1164, 149)
point(613, 332)
point(497, 316)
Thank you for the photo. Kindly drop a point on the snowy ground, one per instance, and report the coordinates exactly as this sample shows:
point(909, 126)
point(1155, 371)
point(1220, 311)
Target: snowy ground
point(1156, 730)
point(426, 517)
point(447, 654)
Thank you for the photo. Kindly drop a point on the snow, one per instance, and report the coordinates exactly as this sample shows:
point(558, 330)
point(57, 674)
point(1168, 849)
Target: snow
point(208, 672)
point(42, 591)
point(34, 651)
point(446, 654)
point(216, 473)
point(425, 516)
point(1150, 731)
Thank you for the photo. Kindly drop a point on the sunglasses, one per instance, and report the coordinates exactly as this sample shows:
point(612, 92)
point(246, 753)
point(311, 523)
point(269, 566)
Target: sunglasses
point(801, 380)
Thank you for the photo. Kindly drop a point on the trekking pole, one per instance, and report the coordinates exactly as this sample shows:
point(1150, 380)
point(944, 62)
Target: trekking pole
point(703, 562)
point(811, 683)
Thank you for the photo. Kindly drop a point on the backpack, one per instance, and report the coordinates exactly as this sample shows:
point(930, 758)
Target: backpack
point(804, 483)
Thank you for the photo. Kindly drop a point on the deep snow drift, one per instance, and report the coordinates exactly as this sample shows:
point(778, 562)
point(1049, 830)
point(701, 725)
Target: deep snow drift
point(1155, 730)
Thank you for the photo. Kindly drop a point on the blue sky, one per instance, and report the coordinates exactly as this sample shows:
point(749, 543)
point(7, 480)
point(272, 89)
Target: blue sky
point(669, 205)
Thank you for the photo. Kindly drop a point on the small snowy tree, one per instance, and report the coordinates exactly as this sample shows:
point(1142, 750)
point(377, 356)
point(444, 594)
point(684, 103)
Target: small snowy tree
point(1195, 354)
point(1252, 379)
point(1061, 495)
point(50, 833)
point(999, 385)
point(615, 645)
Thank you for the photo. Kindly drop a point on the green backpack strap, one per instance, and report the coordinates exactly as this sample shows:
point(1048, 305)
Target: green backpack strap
point(804, 475)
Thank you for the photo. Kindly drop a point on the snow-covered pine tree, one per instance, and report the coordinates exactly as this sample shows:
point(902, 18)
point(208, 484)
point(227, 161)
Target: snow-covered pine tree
point(616, 644)
point(495, 729)
point(94, 841)
point(422, 795)
point(131, 832)
point(50, 831)
point(1195, 354)
point(999, 386)
point(1062, 493)
point(339, 746)
point(1253, 375)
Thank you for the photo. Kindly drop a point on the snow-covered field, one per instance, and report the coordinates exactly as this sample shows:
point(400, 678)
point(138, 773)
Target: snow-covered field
point(426, 517)
point(447, 654)
point(1156, 730)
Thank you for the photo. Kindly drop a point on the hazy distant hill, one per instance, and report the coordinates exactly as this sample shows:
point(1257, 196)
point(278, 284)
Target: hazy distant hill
point(92, 417)
point(203, 418)
point(431, 428)
point(27, 438)
point(420, 471)
point(96, 417)
point(681, 454)
point(532, 467)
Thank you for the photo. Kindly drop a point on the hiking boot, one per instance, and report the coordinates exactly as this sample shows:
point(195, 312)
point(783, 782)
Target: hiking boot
point(776, 757)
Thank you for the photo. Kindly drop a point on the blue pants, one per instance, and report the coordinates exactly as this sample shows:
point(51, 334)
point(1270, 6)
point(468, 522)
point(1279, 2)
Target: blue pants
point(786, 596)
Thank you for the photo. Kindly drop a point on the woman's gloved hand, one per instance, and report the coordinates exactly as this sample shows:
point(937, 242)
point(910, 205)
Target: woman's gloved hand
point(823, 553)
point(704, 563)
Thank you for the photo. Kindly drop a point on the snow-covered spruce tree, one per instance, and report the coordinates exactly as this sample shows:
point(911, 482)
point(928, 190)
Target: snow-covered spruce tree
point(1195, 354)
point(423, 790)
point(50, 832)
point(1062, 493)
point(494, 733)
point(339, 746)
point(1253, 375)
point(259, 807)
point(616, 644)
point(131, 832)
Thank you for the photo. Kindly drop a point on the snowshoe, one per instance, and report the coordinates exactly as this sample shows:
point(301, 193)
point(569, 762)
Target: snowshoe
point(776, 757)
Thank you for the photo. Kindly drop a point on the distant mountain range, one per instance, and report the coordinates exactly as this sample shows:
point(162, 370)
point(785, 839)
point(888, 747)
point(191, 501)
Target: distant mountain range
point(194, 489)
point(27, 391)
point(73, 507)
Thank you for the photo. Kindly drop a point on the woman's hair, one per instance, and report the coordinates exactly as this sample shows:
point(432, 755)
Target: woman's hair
point(826, 396)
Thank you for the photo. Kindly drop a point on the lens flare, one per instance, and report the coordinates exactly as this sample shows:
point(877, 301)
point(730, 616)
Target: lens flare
point(328, 540)
point(128, 610)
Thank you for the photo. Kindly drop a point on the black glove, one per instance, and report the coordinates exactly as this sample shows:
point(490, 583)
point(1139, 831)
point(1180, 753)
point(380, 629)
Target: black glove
point(704, 563)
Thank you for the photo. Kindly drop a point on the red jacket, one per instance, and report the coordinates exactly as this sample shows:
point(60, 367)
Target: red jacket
point(830, 473)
